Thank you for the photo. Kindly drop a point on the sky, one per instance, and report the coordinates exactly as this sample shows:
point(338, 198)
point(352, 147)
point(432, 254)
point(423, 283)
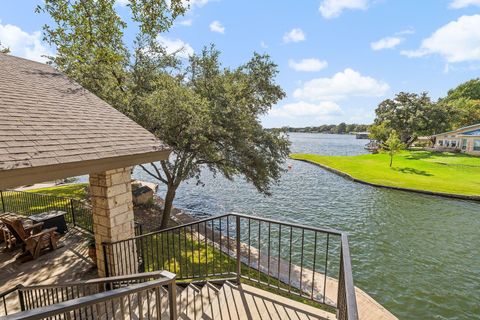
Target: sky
point(337, 59)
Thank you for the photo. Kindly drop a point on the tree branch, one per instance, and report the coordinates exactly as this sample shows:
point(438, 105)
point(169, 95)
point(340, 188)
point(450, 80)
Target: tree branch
point(153, 175)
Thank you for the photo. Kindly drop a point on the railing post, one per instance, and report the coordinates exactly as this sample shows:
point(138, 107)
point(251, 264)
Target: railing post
point(239, 256)
point(172, 300)
point(105, 258)
point(21, 298)
point(3, 201)
point(341, 303)
point(73, 213)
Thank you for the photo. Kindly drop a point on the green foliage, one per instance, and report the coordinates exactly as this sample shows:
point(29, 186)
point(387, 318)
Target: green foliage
point(379, 132)
point(393, 145)
point(469, 90)
point(88, 36)
point(342, 128)
point(209, 115)
point(430, 171)
point(332, 128)
point(3, 49)
point(411, 115)
point(464, 103)
point(75, 191)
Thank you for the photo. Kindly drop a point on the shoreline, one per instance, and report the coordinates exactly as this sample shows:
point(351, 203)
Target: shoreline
point(301, 277)
point(351, 178)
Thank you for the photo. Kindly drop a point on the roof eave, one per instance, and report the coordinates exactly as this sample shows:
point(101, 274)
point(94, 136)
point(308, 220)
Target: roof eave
point(23, 176)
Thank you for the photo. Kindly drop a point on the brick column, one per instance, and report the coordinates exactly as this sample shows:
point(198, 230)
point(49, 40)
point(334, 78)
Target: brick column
point(111, 195)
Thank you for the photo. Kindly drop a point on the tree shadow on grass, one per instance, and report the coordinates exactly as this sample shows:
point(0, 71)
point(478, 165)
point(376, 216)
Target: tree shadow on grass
point(413, 171)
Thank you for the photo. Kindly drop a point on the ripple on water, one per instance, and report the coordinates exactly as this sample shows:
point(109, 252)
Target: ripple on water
point(417, 255)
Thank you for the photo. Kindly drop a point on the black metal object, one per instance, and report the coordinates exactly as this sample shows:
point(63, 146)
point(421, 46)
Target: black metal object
point(78, 213)
point(282, 256)
point(51, 219)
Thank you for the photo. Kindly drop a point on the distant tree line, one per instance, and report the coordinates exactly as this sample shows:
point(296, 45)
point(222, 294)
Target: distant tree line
point(341, 128)
point(412, 115)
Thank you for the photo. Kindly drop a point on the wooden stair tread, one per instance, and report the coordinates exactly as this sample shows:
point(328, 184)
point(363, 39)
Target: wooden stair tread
point(197, 309)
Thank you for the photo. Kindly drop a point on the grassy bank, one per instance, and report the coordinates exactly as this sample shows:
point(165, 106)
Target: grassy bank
point(75, 191)
point(450, 173)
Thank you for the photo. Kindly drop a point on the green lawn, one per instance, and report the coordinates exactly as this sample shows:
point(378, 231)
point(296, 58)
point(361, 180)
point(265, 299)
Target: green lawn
point(421, 170)
point(52, 198)
point(75, 191)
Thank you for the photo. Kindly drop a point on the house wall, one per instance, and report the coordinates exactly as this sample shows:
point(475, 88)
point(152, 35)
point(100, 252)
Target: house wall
point(471, 145)
point(442, 145)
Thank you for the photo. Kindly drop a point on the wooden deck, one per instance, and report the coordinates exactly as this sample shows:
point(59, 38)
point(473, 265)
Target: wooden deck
point(68, 263)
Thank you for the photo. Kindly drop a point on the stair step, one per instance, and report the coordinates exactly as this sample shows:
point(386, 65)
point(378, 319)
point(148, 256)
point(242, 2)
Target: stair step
point(229, 304)
point(198, 308)
point(186, 297)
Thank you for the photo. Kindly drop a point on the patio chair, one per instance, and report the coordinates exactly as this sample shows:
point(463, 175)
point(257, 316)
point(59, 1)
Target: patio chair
point(32, 241)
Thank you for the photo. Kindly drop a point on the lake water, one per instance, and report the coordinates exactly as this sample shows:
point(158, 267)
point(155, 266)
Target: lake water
point(418, 255)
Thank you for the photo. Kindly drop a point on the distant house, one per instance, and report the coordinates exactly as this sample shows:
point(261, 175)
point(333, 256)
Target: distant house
point(466, 139)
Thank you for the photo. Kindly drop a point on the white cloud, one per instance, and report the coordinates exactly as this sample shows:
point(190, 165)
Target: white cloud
point(216, 26)
point(263, 45)
point(176, 46)
point(24, 44)
point(458, 4)
point(457, 41)
point(308, 65)
point(406, 31)
point(333, 8)
point(305, 109)
point(122, 3)
point(186, 22)
point(294, 35)
point(386, 43)
point(340, 86)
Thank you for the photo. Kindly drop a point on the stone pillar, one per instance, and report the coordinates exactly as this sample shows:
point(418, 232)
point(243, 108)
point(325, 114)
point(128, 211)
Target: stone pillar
point(111, 195)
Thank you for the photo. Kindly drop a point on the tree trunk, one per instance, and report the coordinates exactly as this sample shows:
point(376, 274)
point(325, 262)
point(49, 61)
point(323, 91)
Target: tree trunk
point(168, 206)
point(391, 160)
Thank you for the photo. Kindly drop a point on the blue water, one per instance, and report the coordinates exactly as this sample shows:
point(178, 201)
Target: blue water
point(418, 255)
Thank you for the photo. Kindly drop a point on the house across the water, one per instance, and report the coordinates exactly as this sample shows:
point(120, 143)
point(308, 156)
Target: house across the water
point(466, 139)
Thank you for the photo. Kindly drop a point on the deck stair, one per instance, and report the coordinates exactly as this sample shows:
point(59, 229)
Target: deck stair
point(196, 301)
point(236, 302)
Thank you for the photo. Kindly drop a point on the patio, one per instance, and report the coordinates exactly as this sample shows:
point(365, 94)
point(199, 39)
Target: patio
point(70, 262)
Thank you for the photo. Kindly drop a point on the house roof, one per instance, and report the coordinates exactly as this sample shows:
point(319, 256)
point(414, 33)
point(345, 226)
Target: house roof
point(474, 133)
point(461, 131)
point(47, 120)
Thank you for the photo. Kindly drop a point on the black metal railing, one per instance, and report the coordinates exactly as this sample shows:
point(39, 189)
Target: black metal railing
point(286, 258)
point(82, 299)
point(78, 213)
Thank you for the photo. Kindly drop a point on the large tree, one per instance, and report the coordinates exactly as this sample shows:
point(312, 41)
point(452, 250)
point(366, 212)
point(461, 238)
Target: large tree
point(412, 115)
point(464, 103)
point(208, 114)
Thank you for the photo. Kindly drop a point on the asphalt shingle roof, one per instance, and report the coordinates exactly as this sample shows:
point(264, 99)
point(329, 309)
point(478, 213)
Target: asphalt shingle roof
point(47, 119)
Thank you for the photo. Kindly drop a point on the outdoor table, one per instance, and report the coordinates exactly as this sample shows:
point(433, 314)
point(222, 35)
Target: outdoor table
point(51, 219)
